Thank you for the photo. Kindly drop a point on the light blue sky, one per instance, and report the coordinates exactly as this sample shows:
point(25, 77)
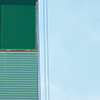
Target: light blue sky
point(74, 48)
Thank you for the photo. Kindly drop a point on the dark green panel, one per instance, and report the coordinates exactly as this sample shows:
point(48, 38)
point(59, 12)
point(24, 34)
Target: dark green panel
point(17, 2)
point(18, 24)
point(18, 27)
point(18, 76)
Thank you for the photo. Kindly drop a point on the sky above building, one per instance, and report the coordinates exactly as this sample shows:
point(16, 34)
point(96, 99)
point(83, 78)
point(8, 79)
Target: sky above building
point(74, 49)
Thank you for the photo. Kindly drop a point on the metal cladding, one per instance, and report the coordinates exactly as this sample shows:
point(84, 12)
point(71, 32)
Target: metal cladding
point(19, 74)
point(18, 24)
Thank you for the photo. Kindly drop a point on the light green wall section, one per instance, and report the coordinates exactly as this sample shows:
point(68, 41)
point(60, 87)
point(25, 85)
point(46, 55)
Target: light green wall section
point(18, 76)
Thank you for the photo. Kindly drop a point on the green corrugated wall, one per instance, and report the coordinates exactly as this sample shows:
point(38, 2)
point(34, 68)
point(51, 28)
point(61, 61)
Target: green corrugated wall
point(18, 76)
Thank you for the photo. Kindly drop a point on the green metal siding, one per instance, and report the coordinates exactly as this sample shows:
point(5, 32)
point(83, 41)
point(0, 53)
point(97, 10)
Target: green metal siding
point(18, 24)
point(18, 76)
point(18, 2)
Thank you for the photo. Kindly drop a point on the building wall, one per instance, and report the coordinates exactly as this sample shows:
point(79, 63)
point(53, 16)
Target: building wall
point(18, 76)
point(18, 24)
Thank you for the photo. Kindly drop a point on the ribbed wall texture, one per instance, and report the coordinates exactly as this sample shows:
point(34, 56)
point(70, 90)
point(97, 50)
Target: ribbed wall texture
point(18, 76)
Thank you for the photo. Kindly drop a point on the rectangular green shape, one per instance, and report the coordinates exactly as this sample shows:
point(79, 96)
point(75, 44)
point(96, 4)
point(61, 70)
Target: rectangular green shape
point(18, 76)
point(18, 2)
point(18, 24)
point(18, 27)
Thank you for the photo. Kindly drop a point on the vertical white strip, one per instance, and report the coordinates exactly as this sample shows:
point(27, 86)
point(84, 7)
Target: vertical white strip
point(39, 72)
